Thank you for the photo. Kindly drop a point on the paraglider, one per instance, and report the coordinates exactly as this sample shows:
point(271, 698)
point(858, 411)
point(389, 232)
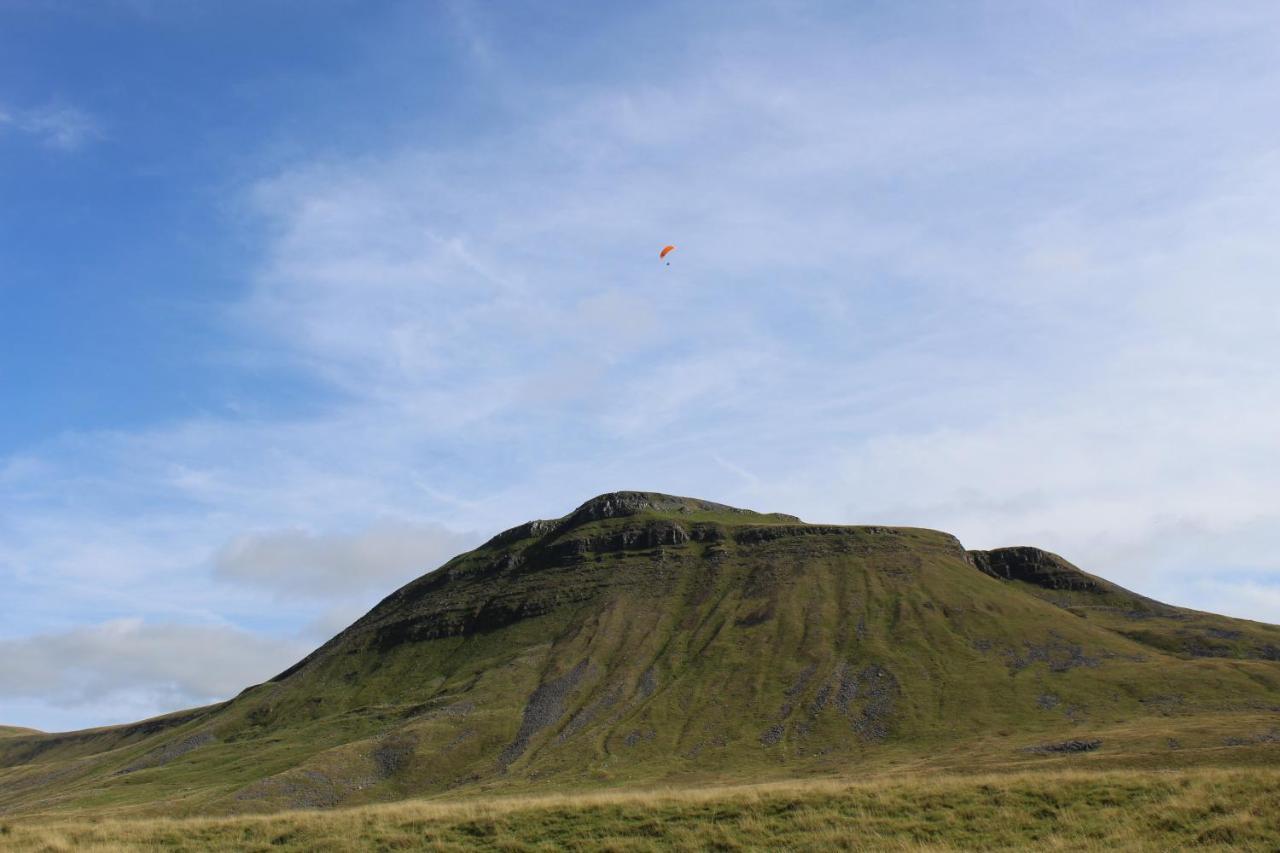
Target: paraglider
point(666, 251)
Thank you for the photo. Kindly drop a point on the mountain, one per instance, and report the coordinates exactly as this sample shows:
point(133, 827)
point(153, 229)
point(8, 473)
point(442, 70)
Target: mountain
point(645, 638)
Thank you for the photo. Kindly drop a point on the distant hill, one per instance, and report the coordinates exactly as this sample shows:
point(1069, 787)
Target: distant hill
point(645, 639)
point(9, 731)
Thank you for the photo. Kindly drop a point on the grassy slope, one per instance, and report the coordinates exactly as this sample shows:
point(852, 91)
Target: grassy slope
point(688, 644)
point(1176, 630)
point(9, 731)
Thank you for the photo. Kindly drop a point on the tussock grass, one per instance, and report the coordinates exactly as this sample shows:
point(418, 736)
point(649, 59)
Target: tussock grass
point(1063, 810)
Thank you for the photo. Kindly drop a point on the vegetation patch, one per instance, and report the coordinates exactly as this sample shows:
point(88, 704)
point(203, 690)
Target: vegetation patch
point(1205, 809)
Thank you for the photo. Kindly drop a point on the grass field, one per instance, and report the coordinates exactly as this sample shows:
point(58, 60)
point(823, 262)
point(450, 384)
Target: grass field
point(1070, 810)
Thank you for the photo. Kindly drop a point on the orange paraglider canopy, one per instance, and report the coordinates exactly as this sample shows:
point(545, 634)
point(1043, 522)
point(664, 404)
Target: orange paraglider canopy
point(666, 251)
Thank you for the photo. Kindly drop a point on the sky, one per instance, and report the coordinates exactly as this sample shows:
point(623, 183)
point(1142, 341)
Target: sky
point(299, 299)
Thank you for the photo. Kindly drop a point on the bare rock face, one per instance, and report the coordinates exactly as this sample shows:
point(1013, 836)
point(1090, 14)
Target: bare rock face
point(1066, 747)
point(168, 752)
point(623, 504)
point(1034, 566)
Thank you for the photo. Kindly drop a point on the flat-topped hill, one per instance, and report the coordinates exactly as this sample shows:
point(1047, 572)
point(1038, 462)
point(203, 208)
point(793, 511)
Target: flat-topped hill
point(646, 638)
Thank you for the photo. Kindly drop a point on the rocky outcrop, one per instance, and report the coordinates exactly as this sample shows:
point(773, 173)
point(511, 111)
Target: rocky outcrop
point(623, 504)
point(162, 755)
point(1034, 566)
point(1066, 747)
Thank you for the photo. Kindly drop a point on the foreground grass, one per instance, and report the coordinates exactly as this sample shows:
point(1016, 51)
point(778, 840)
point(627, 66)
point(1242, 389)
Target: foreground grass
point(1131, 810)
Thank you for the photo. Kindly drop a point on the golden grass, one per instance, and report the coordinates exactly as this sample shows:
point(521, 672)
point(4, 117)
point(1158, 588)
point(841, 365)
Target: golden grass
point(1065, 810)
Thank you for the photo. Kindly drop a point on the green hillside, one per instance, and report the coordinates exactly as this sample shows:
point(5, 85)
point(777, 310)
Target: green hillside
point(9, 731)
point(645, 639)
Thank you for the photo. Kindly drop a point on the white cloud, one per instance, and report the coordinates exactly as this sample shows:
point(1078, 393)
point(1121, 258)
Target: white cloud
point(132, 666)
point(298, 562)
point(62, 127)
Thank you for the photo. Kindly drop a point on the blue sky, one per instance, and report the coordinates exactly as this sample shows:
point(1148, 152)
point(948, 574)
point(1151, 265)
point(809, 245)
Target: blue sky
point(299, 299)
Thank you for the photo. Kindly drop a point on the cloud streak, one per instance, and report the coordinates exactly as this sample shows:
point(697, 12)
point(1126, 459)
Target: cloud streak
point(64, 128)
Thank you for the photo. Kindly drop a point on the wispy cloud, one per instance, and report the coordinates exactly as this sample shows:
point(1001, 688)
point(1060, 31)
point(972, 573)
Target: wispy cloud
point(61, 127)
point(123, 667)
point(1016, 282)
